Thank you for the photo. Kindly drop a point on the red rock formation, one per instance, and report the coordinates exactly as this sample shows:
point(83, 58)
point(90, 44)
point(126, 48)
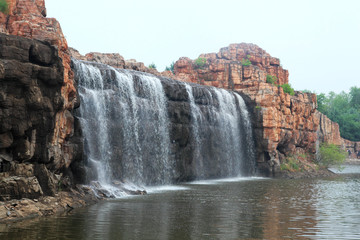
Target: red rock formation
point(112, 59)
point(328, 130)
point(27, 18)
point(284, 125)
point(226, 70)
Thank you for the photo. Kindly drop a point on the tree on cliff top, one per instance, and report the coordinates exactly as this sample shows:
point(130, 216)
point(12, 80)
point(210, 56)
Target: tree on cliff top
point(344, 109)
point(4, 7)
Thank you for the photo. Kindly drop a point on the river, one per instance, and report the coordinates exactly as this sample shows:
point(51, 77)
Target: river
point(240, 208)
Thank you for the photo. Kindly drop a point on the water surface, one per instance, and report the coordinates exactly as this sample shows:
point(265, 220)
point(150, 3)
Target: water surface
point(248, 208)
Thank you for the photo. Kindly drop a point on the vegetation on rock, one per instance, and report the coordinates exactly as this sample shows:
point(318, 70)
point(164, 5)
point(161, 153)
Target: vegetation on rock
point(246, 62)
point(200, 62)
point(288, 89)
point(297, 163)
point(344, 109)
point(152, 66)
point(4, 7)
point(290, 164)
point(331, 154)
point(171, 68)
point(271, 79)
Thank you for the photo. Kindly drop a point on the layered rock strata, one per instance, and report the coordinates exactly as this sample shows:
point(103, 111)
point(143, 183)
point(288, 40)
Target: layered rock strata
point(284, 125)
point(37, 96)
point(31, 80)
point(230, 67)
point(27, 18)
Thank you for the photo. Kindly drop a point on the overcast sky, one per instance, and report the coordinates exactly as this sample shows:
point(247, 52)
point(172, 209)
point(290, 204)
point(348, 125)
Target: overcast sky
point(318, 41)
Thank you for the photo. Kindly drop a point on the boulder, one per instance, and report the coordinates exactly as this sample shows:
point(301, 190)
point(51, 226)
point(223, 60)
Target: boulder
point(19, 187)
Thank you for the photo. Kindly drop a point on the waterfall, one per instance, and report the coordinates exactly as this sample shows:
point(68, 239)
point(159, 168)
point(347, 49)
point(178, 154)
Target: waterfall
point(146, 130)
point(223, 143)
point(124, 121)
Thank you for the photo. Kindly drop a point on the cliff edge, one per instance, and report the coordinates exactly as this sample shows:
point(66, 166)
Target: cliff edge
point(284, 125)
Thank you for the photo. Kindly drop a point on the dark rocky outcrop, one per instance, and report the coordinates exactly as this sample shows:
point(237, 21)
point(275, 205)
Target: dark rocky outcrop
point(31, 80)
point(27, 18)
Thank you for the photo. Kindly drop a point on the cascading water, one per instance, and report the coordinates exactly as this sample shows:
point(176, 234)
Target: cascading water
point(147, 130)
point(124, 122)
point(223, 140)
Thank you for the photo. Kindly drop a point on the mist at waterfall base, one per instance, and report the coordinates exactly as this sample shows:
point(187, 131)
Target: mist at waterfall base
point(141, 130)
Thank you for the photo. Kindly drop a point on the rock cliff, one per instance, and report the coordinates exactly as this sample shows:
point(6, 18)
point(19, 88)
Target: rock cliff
point(37, 96)
point(27, 18)
point(284, 125)
point(38, 144)
point(30, 96)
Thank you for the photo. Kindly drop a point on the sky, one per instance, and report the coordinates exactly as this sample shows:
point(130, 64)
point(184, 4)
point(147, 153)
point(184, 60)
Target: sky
point(318, 41)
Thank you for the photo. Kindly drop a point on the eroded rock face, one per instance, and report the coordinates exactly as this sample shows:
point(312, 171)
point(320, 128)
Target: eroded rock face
point(16, 187)
point(31, 84)
point(284, 125)
point(226, 69)
point(30, 97)
point(27, 18)
point(37, 96)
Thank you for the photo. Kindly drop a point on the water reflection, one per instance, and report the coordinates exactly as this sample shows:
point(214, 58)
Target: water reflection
point(249, 209)
point(290, 211)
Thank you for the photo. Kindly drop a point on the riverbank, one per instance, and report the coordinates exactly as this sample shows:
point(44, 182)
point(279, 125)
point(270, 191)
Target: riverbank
point(305, 174)
point(17, 210)
point(352, 161)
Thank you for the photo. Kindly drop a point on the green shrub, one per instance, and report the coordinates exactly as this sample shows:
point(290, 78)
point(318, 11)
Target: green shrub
point(271, 79)
point(288, 89)
point(330, 154)
point(200, 62)
point(4, 7)
point(291, 163)
point(246, 62)
point(171, 68)
point(152, 66)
